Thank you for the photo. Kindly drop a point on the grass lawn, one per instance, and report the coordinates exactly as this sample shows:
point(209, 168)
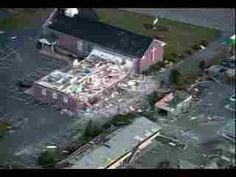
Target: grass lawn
point(21, 18)
point(180, 37)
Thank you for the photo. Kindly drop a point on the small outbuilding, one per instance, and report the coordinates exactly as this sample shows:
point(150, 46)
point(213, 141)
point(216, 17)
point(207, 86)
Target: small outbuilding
point(174, 103)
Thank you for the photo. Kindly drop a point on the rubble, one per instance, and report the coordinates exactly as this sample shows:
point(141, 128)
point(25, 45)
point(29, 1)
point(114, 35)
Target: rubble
point(88, 81)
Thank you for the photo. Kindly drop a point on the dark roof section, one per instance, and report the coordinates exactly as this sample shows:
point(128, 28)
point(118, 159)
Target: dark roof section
point(116, 39)
point(50, 37)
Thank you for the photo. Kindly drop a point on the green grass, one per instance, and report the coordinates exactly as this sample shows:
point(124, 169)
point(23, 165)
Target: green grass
point(180, 37)
point(121, 120)
point(23, 18)
point(4, 127)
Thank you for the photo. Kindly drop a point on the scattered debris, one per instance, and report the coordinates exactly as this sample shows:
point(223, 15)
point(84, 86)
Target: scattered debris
point(51, 147)
point(202, 47)
point(218, 82)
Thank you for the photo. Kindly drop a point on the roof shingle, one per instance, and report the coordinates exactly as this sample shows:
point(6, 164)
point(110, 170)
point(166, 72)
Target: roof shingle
point(107, 36)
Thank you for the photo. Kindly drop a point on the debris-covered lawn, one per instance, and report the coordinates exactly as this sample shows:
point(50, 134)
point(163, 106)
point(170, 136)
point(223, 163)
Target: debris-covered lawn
point(198, 127)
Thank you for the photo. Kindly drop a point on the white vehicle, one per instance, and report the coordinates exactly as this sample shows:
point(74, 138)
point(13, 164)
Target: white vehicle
point(232, 98)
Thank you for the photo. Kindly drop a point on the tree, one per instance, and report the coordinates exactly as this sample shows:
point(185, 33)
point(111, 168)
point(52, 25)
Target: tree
point(174, 76)
point(48, 158)
point(91, 131)
point(164, 164)
point(202, 65)
point(88, 129)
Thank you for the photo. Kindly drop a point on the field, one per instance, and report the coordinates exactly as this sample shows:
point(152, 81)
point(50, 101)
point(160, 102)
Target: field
point(20, 18)
point(180, 37)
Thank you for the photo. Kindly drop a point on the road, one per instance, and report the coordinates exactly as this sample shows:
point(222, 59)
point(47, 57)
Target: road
point(223, 19)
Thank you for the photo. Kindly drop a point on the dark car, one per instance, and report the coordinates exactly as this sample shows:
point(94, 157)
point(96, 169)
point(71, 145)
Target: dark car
point(24, 83)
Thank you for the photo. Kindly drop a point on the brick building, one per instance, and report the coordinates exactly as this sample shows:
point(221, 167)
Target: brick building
point(83, 32)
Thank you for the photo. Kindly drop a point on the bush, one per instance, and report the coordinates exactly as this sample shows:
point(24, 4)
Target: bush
point(174, 76)
point(148, 26)
point(155, 67)
point(202, 65)
point(174, 55)
point(188, 52)
point(4, 127)
point(161, 64)
point(48, 158)
point(91, 131)
point(181, 56)
point(204, 43)
point(122, 119)
point(164, 164)
point(196, 47)
point(172, 59)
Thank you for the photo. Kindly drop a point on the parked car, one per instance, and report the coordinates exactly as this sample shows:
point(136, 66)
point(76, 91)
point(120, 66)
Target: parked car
point(232, 98)
point(229, 64)
point(24, 83)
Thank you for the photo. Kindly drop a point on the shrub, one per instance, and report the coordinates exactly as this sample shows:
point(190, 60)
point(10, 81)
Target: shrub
point(174, 55)
point(164, 164)
point(48, 158)
point(188, 52)
point(196, 47)
point(171, 59)
point(148, 26)
point(181, 56)
point(122, 119)
point(161, 64)
point(4, 127)
point(91, 131)
point(204, 43)
point(202, 65)
point(152, 98)
point(174, 76)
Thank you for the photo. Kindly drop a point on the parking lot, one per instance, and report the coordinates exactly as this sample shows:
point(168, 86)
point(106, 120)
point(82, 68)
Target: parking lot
point(32, 121)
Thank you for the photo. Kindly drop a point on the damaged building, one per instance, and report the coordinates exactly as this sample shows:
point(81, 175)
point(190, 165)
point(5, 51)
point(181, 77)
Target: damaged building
point(79, 34)
point(118, 150)
point(78, 86)
point(106, 55)
point(174, 103)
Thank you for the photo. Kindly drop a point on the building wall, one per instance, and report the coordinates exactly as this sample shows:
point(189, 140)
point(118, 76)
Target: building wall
point(69, 43)
point(75, 45)
point(70, 105)
point(153, 54)
point(82, 48)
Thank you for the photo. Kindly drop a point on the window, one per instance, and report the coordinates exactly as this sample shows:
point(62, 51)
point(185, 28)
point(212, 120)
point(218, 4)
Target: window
point(65, 99)
point(80, 45)
point(54, 95)
point(44, 92)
